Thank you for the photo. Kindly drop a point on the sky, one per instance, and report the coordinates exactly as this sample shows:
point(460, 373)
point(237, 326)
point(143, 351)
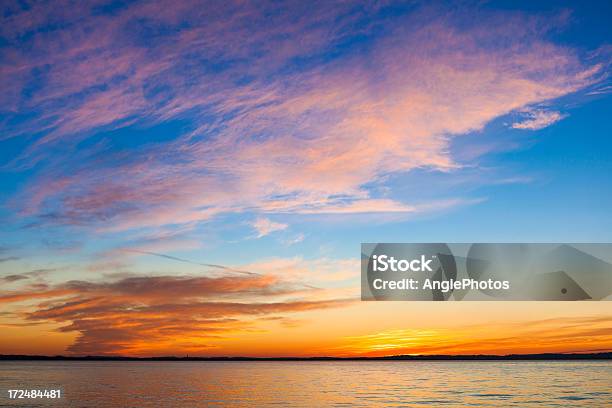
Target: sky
point(185, 177)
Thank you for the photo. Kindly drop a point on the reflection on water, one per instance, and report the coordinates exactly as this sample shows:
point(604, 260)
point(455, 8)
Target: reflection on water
point(308, 384)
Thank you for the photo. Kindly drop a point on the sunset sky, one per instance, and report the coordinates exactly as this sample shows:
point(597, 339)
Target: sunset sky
point(185, 177)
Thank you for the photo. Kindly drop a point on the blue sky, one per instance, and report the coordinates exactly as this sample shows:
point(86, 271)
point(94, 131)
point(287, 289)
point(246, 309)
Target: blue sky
point(506, 185)
point(253, 136)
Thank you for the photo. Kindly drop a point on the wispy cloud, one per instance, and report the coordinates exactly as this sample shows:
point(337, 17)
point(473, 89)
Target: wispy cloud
point(296, 239)
point(13, 278)
point(538, 119)
point(266, 134)
point(176, 258)
point(265, 226)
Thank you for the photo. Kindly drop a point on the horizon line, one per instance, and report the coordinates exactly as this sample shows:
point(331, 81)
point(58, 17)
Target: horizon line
point(402, 357)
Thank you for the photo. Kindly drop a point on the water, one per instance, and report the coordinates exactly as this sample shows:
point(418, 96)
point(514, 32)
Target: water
point(312, 384)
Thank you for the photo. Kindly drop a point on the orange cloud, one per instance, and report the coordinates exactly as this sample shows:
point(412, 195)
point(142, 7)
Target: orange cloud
point(147, 315)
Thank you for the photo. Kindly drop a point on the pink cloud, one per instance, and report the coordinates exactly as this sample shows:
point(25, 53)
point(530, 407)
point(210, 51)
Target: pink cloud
point(307, 141)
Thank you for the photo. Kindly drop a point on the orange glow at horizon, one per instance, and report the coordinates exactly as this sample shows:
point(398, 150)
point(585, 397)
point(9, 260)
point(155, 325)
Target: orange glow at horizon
point(360, 329)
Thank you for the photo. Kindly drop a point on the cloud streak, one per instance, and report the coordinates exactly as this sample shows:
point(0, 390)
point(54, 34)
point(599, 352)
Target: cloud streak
point(175, 258)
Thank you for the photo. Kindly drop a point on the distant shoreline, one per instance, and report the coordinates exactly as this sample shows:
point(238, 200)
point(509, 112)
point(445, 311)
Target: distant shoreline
point(475, 357)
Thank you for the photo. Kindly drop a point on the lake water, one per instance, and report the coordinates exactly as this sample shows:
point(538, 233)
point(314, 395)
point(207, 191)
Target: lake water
point(312, 384)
